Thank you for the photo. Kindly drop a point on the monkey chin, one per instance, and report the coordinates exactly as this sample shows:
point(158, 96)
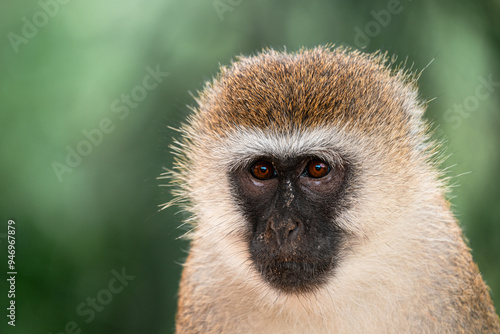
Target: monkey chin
point(290, 275)
point(295, 278)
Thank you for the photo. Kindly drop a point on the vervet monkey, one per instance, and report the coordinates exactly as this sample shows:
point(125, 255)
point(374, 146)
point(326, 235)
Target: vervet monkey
point(316, 207)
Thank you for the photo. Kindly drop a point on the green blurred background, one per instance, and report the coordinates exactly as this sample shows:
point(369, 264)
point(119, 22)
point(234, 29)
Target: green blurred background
point(65, 67)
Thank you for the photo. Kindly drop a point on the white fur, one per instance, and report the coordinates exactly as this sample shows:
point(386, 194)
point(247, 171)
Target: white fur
point(382, 265)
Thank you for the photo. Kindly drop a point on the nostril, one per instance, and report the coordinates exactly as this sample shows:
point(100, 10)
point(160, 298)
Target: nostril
point(293, 229)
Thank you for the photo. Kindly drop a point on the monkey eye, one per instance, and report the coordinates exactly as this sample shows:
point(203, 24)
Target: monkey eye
point(263, 170)
point(317, 169)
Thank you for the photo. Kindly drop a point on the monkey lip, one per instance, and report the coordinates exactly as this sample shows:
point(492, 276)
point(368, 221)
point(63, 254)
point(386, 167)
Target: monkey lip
point(290, 264)
point(289, 267)
point(293, 276)
point(293, 268)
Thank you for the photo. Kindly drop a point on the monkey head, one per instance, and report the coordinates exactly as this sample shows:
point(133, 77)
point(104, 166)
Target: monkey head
point(291, 161)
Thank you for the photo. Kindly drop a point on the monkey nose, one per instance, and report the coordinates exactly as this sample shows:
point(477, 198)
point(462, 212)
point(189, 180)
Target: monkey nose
point(285, 230)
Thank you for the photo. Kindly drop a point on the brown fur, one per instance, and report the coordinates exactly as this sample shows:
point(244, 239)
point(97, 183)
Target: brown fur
point(407, 269)
point(280, 92)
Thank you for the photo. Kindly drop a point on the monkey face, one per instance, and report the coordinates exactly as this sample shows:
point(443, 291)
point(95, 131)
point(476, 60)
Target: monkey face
point(291, 205)
point(293, 161)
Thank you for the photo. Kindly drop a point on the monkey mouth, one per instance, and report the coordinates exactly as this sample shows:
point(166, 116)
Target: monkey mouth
point(293, 276)
point(296, 267)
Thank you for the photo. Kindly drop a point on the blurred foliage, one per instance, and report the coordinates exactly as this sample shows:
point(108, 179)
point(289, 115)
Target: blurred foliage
point(60, 77)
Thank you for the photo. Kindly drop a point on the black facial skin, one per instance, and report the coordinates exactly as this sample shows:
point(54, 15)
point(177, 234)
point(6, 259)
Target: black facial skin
point(293, 239)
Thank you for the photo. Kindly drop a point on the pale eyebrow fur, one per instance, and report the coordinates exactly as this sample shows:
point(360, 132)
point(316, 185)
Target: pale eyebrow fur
point(245, 145)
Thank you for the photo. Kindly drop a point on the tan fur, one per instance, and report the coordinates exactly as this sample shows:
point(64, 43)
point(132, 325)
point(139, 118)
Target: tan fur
point(405, 269)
